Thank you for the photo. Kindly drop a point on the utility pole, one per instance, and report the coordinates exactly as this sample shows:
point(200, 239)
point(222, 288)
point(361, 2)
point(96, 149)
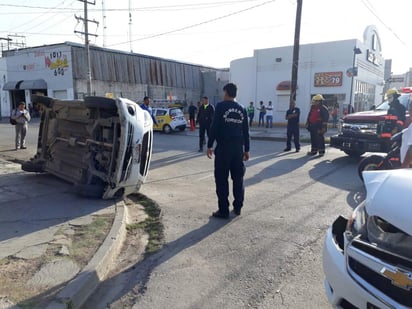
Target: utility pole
point(104, 22)
point(295, 62)
point(86, 33)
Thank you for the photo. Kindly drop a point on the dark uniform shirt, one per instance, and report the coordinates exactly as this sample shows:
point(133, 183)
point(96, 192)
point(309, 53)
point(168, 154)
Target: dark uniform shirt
point(205, 115)
point(230, 125)
point(398, 110)
point(192, 111)
point(294, 121)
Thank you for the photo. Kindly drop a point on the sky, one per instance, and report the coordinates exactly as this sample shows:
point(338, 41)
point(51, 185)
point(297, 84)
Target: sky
point(209, 32)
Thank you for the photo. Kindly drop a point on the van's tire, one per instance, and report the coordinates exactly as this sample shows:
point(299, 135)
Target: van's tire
point(167, 129)
point(354, 153)
point(33, 167)
point(100, 102)
point(46, 101)
point(89, 191)
point(370, 163)
point(182, 129)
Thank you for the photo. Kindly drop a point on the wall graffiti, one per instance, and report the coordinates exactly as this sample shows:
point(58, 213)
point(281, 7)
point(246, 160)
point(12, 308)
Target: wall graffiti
point(57, 62)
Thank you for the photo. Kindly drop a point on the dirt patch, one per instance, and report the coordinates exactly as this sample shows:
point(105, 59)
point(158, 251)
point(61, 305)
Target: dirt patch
point(81, 241)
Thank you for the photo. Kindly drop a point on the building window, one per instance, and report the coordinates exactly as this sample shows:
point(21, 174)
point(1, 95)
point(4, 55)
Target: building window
point(364, 96)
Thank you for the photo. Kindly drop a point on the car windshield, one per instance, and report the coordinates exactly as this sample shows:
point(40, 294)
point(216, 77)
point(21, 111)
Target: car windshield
point(404, 99)
point(176, 112)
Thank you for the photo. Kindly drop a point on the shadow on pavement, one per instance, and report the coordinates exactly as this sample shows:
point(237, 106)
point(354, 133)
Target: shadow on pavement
point(138, 274)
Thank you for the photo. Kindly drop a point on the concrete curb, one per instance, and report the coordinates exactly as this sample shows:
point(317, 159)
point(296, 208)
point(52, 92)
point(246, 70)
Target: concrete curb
point(78, 290)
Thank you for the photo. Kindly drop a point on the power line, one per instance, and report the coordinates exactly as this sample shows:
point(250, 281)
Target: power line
point(371, 9)
point(197, 24)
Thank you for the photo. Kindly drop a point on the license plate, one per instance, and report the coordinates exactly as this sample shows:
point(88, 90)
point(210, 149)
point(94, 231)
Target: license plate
point(371, 306)
point(346, 145)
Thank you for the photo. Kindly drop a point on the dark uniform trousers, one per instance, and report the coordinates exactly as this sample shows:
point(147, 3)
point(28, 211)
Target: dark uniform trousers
point(229, 158)
point(203, 128)
point(317, 139)
point(292, 131)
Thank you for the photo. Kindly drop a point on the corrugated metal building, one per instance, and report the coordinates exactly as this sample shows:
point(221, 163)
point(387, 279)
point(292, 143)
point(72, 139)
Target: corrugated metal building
point(60, 70)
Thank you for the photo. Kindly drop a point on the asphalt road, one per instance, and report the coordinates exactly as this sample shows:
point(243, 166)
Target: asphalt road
point(270, 257)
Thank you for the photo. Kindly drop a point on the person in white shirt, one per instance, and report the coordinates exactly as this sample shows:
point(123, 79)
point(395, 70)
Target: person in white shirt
point(269, 115)
point(22, 117)
point(406, 148)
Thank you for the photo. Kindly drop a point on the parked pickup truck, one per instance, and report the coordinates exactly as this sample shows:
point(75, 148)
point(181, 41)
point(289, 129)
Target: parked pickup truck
point(368, 131)
point(103, 146)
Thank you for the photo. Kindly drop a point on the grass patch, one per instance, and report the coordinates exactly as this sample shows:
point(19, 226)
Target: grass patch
point(88, 238)
point(152, 225)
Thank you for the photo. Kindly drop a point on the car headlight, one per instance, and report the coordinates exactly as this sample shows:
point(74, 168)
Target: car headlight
point(357, 223)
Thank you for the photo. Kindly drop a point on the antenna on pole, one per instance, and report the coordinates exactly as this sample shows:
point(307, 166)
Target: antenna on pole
point(130, 26)
point(104, 22)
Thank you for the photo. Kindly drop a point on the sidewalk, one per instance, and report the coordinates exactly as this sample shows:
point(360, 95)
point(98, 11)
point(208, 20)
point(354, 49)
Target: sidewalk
point(54, 245)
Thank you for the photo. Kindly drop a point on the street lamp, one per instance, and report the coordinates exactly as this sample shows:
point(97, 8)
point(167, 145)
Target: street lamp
point(356, 51)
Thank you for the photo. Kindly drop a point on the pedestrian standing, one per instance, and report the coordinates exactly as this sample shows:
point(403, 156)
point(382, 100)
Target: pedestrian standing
point(293, 118)
point(317, 124)
point(351, 110)
point(22, 117)
point(230, 130)
point(335, 113)
point(251, 113)
point(204, 118)
point(262, 113)
point(192, 115)
point(146, 106)
point(269, 115)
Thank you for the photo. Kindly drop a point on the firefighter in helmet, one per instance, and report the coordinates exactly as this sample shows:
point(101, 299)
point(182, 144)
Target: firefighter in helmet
point(317, 124)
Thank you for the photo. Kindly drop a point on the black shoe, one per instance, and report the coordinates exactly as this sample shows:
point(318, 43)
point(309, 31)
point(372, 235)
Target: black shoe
point(297, 150)
point(321, 154)
point(236, 211)
point(200, 150)
point(286, 149)
point(218, 214)
point(312, 153)
point(24, 147)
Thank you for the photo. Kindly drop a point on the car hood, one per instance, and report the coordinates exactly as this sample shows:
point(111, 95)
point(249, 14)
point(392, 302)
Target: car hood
point(389, 197)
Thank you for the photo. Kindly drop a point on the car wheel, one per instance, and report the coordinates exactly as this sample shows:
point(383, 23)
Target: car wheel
point(46, 101)
point(354, 153)
point(167, 129)
point(100, 102)
point(33, 167)
point(182, 129)
point(371, 163)
point(89, 191)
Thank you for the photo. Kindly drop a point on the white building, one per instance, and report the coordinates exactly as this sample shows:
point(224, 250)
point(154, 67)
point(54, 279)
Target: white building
point(324, 68)
point(60, 71)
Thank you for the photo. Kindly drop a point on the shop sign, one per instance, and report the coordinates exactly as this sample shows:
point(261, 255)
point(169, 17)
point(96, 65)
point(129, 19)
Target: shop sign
point(374, 58)
point(328, 79)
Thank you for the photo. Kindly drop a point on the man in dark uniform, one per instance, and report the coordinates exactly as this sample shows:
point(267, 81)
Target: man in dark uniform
point(292, 116)
point(395, 107)
point(192, 114)
point(317, 124)
point(204, 118)
point(230, 129)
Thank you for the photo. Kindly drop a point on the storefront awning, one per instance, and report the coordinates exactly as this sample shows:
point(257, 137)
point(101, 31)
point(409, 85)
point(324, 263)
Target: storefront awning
point(33, 84)
point(12, 85)
point(285, 85)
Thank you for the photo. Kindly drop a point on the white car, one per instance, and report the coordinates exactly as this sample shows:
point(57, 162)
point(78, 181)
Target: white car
point(101, 145)
point(367, 259)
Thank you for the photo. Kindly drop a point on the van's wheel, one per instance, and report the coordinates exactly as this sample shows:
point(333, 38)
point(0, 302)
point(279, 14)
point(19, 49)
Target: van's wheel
point(167, 129)
point(354, 153)
point(46, 101)
point(33, 167)
point(89, 191)
point(182, 129)
point(100, 102)
point(371, 163)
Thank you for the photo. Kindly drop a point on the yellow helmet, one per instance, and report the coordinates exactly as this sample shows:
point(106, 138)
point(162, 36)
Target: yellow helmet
point(392, 92)
point(318, 97)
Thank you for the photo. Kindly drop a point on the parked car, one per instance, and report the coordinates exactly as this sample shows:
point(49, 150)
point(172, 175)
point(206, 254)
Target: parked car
point(103, 146)
point(368, 131)
point(367, 259)
point(169, 119)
